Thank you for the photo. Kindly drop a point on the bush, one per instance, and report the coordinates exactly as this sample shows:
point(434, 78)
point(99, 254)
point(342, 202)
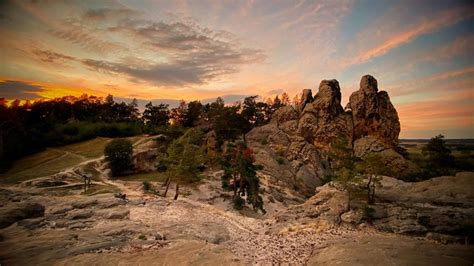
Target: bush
point(437, 153)
point(119, 155)
point(368, 213)
point(239, 203)
point(162, 166)
point(171, 132)
point(79, 131)
point(280, 160)
point(146, 186)
point(71, 130)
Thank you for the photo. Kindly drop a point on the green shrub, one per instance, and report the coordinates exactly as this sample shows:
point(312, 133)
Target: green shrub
point(264, 141)
point(70, 130)
point(239, 203)
point(368, 213)
point(146, 186)
point(119, 155)
point(280, 160)
point(79, 131)
point(162, 166)
point(171, 132)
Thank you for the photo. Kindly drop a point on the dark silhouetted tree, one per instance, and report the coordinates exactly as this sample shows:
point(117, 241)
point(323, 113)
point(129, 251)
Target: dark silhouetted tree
point(437, 153)
point(193, 113)
point(119, 155)
point(158, 115)
point(239, 166)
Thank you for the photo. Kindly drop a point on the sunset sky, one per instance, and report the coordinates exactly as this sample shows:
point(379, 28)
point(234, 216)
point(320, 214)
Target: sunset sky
point(421, 52)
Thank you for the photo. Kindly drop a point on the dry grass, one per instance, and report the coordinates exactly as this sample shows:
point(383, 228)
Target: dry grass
point(89, 149)
point(54, 160)
point(150, 177)
point(32, 170)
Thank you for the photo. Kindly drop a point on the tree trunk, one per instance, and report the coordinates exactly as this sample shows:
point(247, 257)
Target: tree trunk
point(348, 200)
point(166, 182)
point(235, 186)
point(372, 197)
point(1, 144)
point(369, 185)
point(167, 187)
point(177, 191)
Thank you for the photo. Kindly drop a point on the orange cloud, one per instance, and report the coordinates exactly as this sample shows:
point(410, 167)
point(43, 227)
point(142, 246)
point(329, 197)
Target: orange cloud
point(451, 74)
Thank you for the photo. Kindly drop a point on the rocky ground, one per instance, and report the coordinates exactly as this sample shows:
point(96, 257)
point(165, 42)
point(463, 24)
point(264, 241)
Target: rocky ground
point(42, 227)
point(51, 220)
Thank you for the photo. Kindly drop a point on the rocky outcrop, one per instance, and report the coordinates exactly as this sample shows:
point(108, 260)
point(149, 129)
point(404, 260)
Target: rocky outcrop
point(372, 112)
point(16, 212)
point(440, 208)
point(442, 205)
point(145, 156)
point(300, 138)
point(306, 98)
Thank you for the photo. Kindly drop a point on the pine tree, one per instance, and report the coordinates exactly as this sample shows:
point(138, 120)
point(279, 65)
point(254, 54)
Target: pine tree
point(373, 168)
point(158, 115)
point(285, 99)
point(185, 155)
point(344, 162)
point(239, 166)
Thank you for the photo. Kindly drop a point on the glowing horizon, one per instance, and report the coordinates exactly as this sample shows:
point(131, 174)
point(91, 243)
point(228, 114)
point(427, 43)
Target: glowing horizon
point(420, 52)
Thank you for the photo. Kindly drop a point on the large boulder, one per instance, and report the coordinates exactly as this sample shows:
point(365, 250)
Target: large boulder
point(16, 212)
point(284, 114)
point(145, 156)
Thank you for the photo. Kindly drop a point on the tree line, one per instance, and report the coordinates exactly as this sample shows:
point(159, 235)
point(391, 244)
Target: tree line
point(29, 127)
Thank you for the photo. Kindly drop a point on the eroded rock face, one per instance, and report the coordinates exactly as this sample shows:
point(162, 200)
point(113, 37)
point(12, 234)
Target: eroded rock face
point(303, 135)
point(306, 98)
point(372, 112)
point(145, 156)
point(17, 212)
point(433, 208)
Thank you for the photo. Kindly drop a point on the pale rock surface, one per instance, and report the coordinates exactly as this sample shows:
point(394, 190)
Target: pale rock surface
point(442, 205)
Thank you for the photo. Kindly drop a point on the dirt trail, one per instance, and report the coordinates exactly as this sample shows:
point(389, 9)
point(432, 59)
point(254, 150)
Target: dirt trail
point(246, 237)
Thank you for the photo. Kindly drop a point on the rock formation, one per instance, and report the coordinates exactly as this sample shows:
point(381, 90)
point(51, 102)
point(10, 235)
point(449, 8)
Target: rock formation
point(440, 208)
point(304, 134)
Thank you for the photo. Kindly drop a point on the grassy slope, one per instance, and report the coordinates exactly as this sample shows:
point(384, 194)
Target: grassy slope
point(54, 160)
point(151, 176)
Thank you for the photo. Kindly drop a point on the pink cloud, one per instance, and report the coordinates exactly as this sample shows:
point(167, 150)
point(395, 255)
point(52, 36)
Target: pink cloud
point(426, 26)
